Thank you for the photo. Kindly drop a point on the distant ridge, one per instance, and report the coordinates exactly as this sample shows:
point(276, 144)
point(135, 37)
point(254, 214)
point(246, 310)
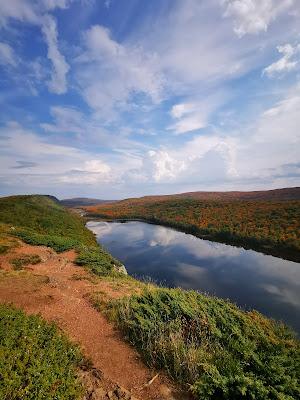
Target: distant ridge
point(274, 194)
point(83, 201)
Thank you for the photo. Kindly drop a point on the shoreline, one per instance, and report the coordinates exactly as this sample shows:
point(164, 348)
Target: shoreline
point(264, 248)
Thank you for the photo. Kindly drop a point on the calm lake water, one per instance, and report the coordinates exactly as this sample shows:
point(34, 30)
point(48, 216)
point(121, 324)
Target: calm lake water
point(250, 279)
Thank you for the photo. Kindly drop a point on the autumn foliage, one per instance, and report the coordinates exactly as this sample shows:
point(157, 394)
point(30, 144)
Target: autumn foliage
point(269, 226)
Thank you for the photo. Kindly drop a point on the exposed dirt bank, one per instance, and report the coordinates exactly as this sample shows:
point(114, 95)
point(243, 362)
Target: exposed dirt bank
point(60, 291)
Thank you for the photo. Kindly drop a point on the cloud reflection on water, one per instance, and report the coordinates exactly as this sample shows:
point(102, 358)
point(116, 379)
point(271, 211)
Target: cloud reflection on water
point(249, 278)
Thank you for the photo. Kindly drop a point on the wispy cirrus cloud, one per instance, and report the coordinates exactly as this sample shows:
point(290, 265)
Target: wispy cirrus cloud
point(36, 13)
point(254, 16)
point(288, 62)
point(60, 68)
point(7, 55)
point(110, 73)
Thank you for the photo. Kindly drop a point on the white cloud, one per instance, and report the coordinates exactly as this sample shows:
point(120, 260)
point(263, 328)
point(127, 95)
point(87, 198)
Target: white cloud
point(34, 13)
point(45, 163)
point(197, 59)
point(195, 114)
point(7, 55)
point(281, 122)
point(17, 9)
point(160, 166)
point(86, 130)
point(52, 4)
point(286, 63)
point(91, 172)
point(264, 154)
point(189, 123)
point(67, 120)
point(58, 83)
point(254, 16)
point(96, 166)
point(189, 117)
point(109, 72)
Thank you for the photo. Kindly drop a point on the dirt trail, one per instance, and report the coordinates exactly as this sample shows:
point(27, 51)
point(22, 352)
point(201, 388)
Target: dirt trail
point(58, 290)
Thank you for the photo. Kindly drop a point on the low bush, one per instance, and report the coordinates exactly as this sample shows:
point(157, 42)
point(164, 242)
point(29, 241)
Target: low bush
point(20, 262)
point(97, 260)
point(37, 362)
point(58, 243)
point(3, 249)
point(210, 345)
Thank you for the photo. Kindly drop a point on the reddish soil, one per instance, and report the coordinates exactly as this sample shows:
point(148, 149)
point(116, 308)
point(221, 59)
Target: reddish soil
point(60, 291)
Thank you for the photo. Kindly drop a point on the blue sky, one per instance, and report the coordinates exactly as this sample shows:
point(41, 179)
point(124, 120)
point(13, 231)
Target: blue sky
point(114, 98)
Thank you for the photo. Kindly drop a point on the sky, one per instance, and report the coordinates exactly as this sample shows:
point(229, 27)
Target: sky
point(114, 99)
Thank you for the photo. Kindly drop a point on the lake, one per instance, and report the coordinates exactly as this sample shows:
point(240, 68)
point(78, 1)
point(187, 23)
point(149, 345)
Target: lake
point(175, 259)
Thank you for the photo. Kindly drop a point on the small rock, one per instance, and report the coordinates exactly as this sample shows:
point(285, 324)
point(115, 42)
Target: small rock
point(121, 269)
point(111, 396)
point(97, 373)
point(122, 393)
point(98, 394)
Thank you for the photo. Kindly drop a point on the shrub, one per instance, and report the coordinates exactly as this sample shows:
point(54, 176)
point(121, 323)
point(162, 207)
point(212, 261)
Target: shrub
point(220, 351)
point(3, 249)
point(97, 260)
point(58, 243)
point(20, 262)
point(37, 362)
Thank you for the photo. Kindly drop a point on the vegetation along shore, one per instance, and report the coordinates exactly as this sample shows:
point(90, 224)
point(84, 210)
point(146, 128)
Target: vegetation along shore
point(269, 226)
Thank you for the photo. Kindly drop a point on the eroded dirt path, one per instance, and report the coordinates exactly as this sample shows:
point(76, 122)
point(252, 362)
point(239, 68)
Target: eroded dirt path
point(59, 291)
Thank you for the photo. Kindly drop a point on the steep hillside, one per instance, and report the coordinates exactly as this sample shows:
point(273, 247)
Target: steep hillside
point(45, 216)
point(39, 220)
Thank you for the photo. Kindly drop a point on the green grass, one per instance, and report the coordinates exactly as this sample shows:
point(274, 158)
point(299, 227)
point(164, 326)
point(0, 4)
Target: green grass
point(41, 220)
point(211, 346)
point(98, 262)
point(20, 262)
point(37, 362)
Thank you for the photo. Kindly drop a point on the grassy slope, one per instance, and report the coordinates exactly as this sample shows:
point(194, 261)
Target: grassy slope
point(210, 344)
point(39, 220)
point(269, 226)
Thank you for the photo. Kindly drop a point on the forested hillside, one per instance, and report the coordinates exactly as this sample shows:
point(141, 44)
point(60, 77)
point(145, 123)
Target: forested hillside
point(269, 226)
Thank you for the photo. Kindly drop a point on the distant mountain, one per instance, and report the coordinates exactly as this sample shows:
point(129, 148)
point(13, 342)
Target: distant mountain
point(275, 195)
point(83, 201)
